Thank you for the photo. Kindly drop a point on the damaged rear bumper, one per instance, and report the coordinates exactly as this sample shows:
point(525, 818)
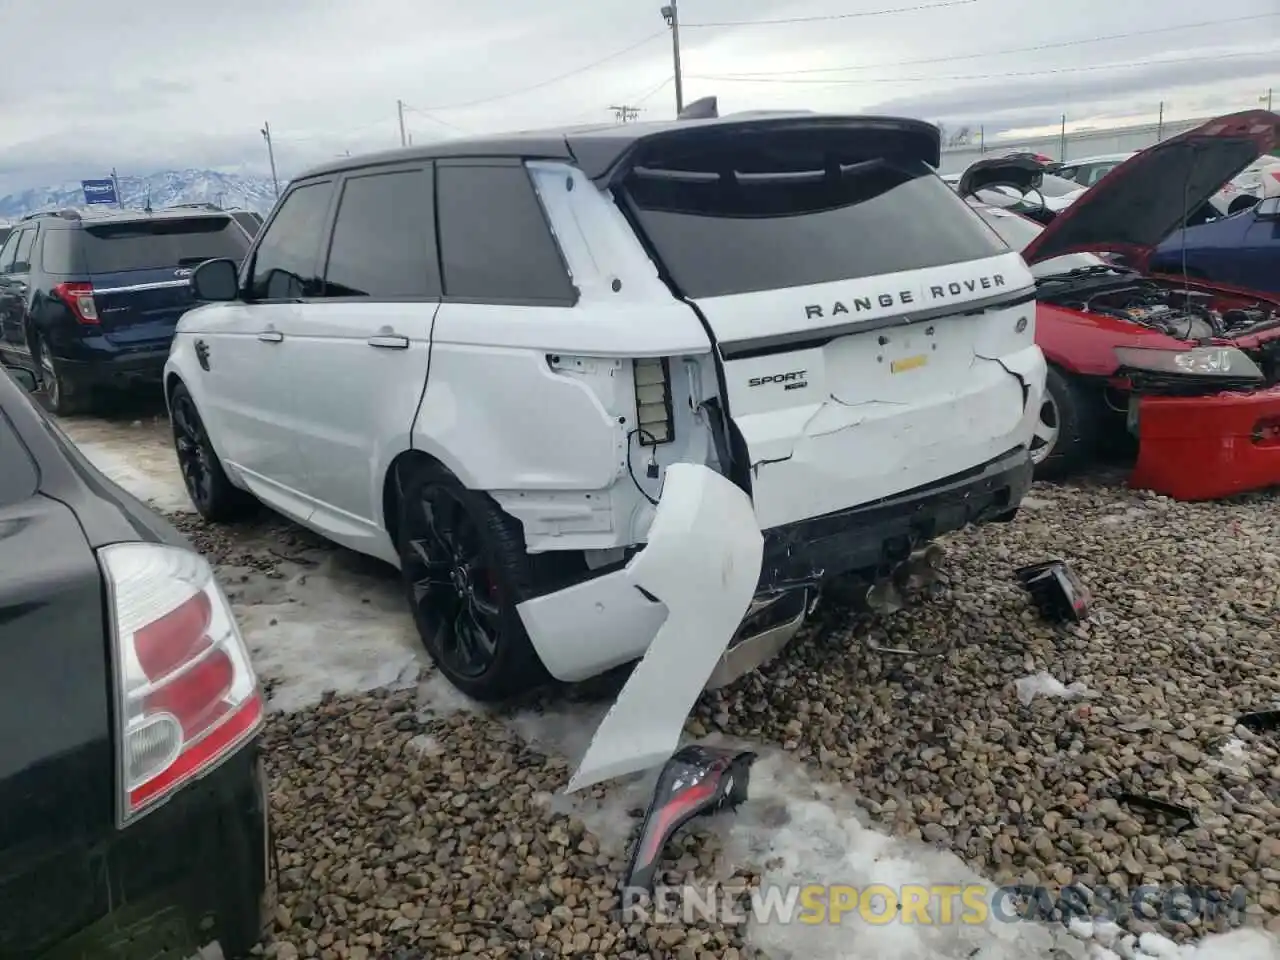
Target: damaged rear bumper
point(874, 537)
point(1203, 448)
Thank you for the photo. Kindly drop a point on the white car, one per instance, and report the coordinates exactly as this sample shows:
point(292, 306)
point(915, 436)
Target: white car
point(1240, 193)
point(622, 393)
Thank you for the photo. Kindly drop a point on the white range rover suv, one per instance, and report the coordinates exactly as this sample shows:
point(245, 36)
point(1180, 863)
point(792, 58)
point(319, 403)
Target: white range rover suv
point(622, 392)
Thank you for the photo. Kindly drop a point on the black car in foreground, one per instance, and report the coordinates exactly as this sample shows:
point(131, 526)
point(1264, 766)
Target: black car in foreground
point(133, 821)
point(90, 300)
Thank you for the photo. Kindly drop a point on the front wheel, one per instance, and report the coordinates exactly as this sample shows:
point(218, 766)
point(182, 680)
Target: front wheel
point(465, 569)
point(212, 493)
point(1066, 434)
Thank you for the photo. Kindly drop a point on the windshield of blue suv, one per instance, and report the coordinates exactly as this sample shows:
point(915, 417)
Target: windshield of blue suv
point(169, 242)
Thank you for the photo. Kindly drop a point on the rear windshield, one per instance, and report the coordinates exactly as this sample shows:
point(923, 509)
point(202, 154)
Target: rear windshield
point(143, 244)
point(720, 233)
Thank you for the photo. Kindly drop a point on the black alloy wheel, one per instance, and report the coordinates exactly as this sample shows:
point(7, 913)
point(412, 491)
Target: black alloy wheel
point(214, 496)
point(456, 596)
point(191, 444)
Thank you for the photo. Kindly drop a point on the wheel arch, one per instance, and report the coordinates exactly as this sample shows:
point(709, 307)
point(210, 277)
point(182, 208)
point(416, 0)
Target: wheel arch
point(391, 486)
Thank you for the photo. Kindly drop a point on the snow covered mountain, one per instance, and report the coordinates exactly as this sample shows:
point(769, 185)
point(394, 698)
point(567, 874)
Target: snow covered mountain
point(164, 188)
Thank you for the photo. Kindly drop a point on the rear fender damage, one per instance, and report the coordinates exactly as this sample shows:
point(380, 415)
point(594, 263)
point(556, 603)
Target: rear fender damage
point(679, 601)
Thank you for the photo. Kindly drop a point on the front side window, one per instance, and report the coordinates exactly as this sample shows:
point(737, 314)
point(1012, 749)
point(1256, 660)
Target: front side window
point(495, 245)
point(383, 243)
point(285, 264)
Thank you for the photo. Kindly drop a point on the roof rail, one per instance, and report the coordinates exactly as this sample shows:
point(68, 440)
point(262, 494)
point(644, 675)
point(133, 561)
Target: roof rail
point(64, 214)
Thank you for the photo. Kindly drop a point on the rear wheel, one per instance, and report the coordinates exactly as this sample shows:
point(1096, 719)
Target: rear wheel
point(212, 494)
point(465, 569)
point(64, 395)
point(1066, 436)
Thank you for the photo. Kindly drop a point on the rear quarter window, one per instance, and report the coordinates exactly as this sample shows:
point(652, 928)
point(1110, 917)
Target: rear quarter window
point(167, 242)
point(781, 225)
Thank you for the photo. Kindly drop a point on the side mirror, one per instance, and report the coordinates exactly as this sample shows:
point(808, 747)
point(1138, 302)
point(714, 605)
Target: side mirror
point(24, 378)
point(216, 280)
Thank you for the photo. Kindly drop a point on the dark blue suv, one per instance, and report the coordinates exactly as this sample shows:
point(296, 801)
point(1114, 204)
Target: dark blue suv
point(88, 300)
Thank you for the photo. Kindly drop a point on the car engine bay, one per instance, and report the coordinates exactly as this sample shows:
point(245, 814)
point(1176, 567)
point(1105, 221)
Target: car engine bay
point(1186, 314)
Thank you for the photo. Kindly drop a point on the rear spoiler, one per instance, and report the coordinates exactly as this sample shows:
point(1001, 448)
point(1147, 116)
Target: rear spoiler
point(1022, 173)
point(608, 158)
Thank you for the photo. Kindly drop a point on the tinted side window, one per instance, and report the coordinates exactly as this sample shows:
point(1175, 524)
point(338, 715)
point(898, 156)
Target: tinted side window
point(383, 242)
point(495, 244)
point(285, 265)
point(7, 251)
point(22, 255)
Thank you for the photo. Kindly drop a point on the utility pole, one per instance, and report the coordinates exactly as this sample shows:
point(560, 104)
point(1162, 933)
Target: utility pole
point(1062, 140)
point(1160, 124)
point(625, 114)
point(115, 183)
point(404, 141)
point(271, 155)
point(1267, 99)
point(672, 16)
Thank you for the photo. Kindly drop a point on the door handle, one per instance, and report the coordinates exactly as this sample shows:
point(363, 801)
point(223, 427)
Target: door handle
point(271, 336)
point(389, 342)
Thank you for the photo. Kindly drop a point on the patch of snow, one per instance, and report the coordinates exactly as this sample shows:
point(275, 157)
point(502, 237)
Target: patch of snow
point(1046, 685)
point(325, 628)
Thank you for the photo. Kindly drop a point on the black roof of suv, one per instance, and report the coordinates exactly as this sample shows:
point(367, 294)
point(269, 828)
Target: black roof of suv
point(600, 148)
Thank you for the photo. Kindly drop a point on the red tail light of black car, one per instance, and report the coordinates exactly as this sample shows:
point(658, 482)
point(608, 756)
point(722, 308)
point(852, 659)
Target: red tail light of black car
point(187, 695)
point(79, 298)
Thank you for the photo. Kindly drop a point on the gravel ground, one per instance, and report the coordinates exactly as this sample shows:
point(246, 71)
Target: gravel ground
point(411, 833)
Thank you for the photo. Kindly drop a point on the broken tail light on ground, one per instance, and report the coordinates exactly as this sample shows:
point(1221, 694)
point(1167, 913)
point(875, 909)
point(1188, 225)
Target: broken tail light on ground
point(695, 782)
point(187, 696)
point(1058, 593)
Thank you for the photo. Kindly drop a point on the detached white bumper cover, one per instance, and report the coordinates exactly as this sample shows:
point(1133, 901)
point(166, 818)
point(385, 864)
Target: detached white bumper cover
point(702, 564)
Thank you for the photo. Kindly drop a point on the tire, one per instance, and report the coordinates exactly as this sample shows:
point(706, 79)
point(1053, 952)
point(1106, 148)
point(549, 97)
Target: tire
point(464, 565)
point(214, 496)
point(64, 396)
point(1069, 427)
point(1242, 203)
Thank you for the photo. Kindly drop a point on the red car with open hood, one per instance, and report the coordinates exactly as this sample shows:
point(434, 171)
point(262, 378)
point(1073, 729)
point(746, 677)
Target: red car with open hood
point(1189, 368)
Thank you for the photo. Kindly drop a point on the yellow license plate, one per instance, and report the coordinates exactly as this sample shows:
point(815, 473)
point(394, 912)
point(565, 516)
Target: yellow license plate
point(908, 363)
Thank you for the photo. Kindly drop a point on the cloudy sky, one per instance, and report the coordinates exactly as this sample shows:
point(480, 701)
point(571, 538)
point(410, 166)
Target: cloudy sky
point(148, 85)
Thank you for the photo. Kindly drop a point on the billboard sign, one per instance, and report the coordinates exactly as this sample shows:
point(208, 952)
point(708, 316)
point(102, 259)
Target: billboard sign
point(99, 191)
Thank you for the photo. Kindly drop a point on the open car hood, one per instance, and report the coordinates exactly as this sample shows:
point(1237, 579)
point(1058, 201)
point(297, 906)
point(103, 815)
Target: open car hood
point(1147, 197)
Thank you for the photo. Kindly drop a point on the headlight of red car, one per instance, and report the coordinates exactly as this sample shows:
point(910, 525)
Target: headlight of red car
point(1227, 362)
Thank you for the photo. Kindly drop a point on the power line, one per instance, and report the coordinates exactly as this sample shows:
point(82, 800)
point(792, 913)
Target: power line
point(556, 79)
point(434, 119)
point(997, 53)
point(330, 135)
point(735, 78)
point(834, 16)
